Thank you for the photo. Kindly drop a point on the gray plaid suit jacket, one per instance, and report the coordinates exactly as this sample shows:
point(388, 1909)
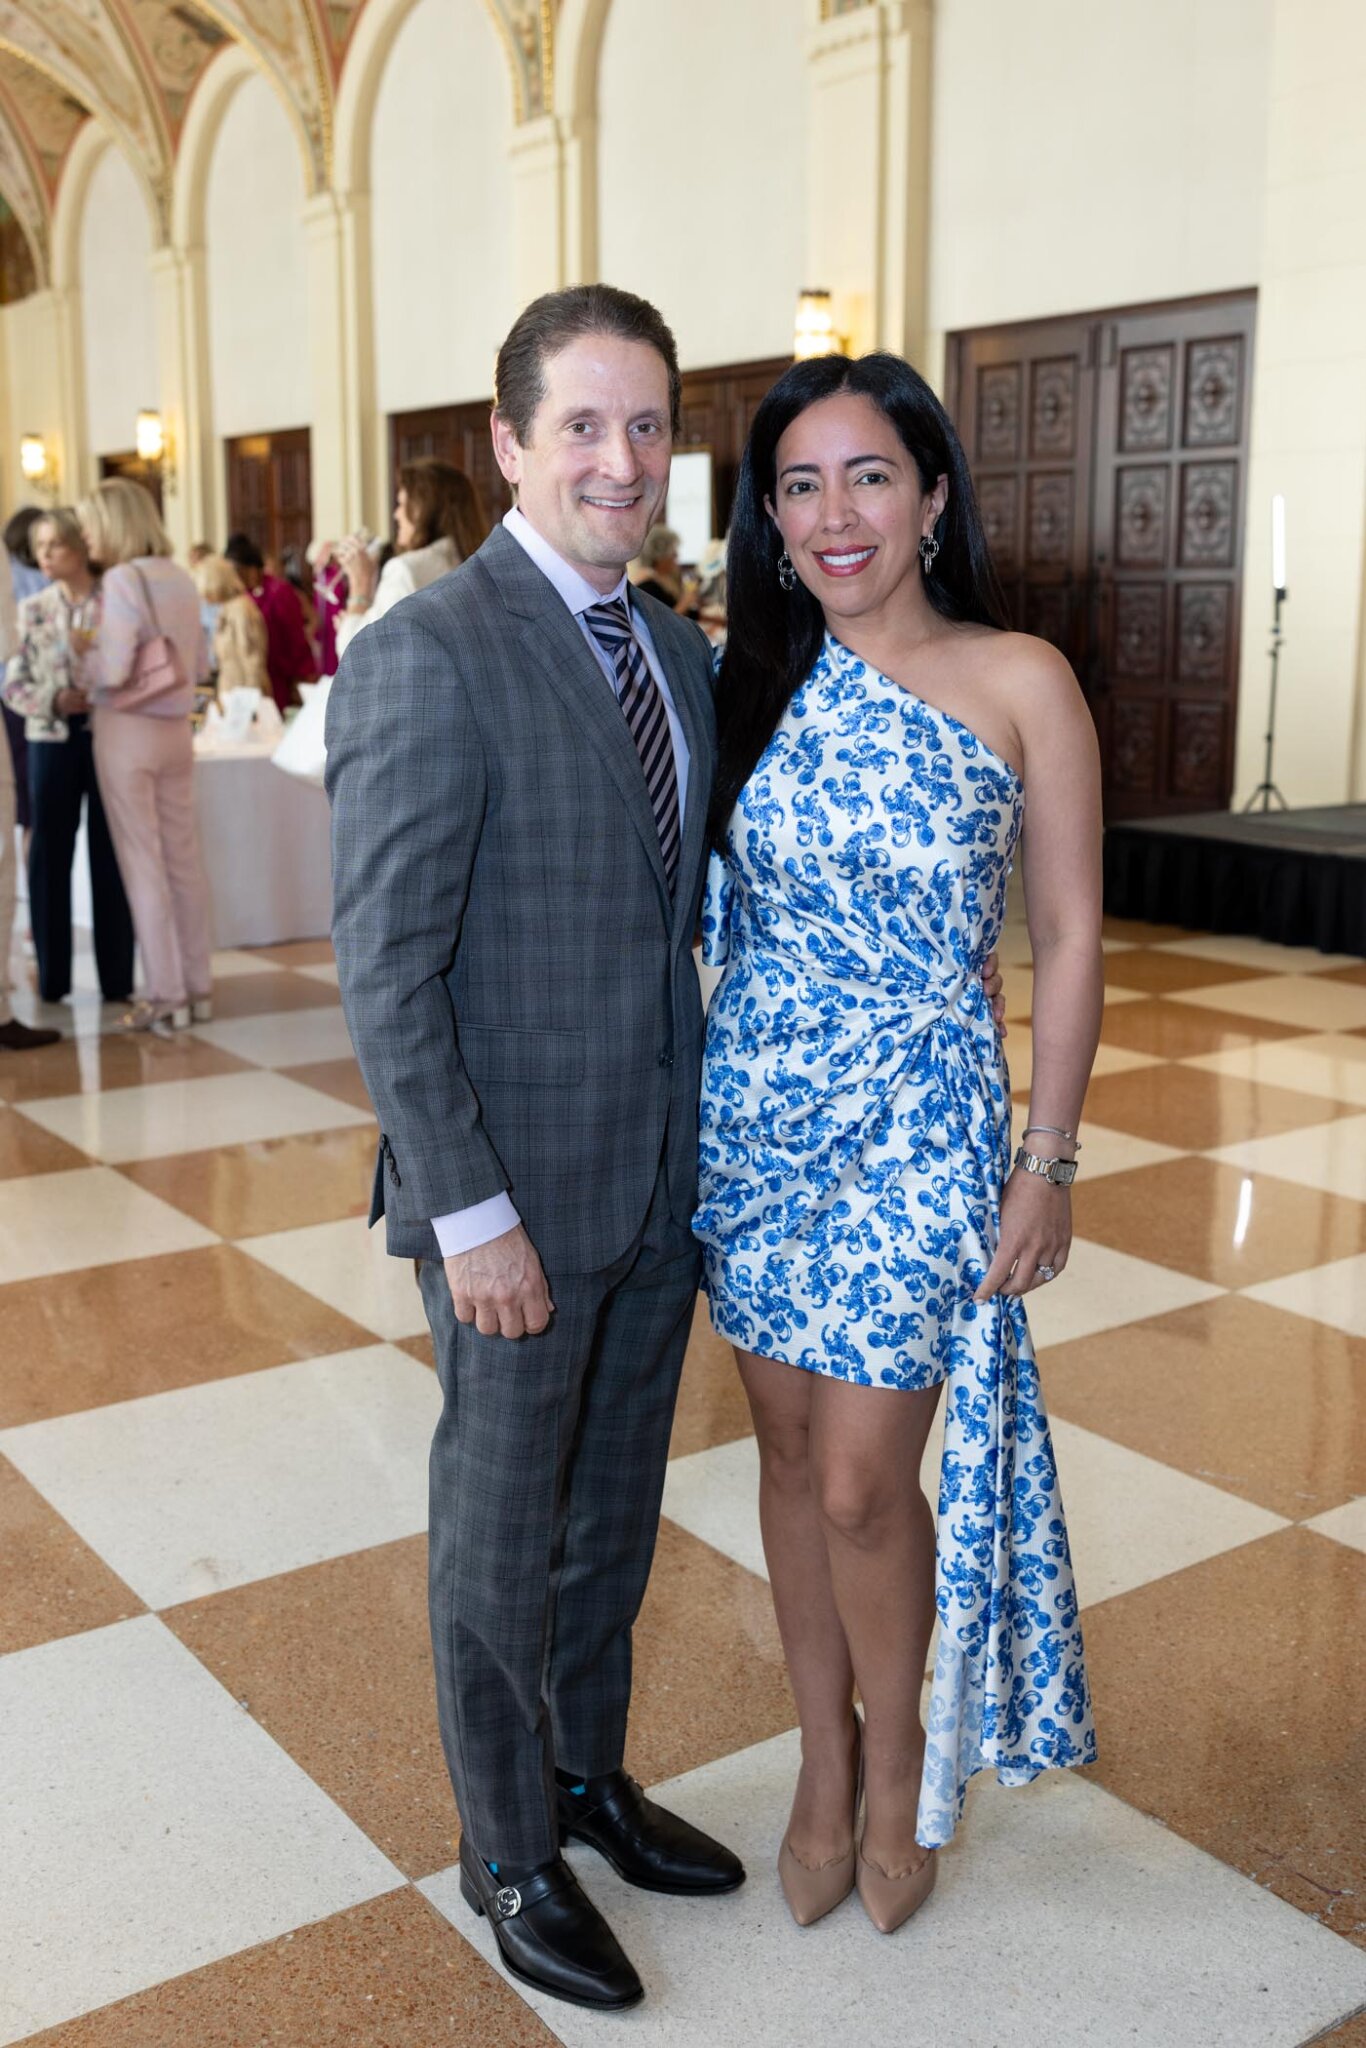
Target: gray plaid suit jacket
point(517, 984)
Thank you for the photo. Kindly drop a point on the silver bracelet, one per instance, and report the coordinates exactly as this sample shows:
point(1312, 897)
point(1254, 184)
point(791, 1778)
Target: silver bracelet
point(1055, 1130)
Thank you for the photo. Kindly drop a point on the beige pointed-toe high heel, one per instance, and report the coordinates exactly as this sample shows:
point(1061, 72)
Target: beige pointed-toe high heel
point(812, 1893)
point(890, 1901)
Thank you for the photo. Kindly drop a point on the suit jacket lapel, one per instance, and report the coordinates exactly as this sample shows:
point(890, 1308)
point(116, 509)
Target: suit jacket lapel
point(560, 653)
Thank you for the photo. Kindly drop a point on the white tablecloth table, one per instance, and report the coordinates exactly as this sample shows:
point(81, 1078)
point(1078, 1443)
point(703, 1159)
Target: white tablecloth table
point(266, 849)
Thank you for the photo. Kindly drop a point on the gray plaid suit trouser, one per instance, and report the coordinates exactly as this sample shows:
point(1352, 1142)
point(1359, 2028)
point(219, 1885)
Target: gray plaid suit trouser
point(547, 1471)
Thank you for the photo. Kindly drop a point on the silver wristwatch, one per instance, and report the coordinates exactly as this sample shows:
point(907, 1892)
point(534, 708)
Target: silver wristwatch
point(1061, 1172)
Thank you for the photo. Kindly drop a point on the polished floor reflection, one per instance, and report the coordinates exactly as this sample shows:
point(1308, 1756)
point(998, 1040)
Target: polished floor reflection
point(220, 1783)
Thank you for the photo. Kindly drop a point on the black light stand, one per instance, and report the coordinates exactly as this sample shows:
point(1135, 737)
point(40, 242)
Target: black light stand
point(1266, 795)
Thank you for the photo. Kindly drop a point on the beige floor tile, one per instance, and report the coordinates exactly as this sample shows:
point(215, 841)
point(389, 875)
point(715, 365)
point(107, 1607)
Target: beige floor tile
point(362, 1725)
point(259, 995)
point(25, 1149)
point(1174, 1031)
point(1107, 1151)
point(1315, 1002)
point(188, 1116)
point(1330, 1156)
point(1346, 1524)
point(95, 1065)
point(1163, 974)
point(1242, 1395)
point(1259, 954)
point(295, 953)
point(712, 1408)
point(113, 1333)
point(341, 1078)
point(87, 1216)
point(1229, 1226)
point(1110, 1059)
point(276, 1184)
point(389, 1974)
point(1199, 1110)
point(283, 1038)
point(346, 1263)
point(1330, 1064)
point(1224, 1699)
point(1102, 1288)
point(1333, 1294)
point(52, 1584)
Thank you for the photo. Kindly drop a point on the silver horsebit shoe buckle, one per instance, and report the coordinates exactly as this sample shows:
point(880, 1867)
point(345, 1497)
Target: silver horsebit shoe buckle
point(508, 1902)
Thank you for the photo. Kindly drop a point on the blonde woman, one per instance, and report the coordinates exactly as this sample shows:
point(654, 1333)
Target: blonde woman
point(239, 633)
point(143, 749)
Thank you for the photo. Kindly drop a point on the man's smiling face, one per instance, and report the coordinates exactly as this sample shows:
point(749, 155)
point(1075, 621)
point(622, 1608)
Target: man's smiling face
point(594, 473)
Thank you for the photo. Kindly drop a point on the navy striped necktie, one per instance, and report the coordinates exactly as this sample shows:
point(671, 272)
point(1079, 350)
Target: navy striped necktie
point(642, 703)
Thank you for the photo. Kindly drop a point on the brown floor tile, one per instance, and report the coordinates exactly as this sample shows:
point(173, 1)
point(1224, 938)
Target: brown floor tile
point(703, 1615)
point(1225, 1698)
point(390, 1974)
point(1160, 974)
point(25, 1149)
point(1182, 1031)
point(277, 1184)
point(419, 1347)
point(335, 1663)
point(1188, 1214)
point(1264, 1404)
point(1140, 934)
point(87, 1066)
point(1186, 1106)
point(52, 1584)
point(258, 995)
point(1352, 2034)
point(712, 1408)
point(1355, 975)
point(296, 953)
point(333, 1077)
point(109, 1333)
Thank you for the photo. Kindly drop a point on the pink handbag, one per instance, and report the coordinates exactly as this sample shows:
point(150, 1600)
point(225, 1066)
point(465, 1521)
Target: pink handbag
point(156, 668)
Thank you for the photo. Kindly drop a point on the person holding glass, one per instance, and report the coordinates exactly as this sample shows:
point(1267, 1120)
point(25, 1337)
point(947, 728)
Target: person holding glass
point(55, 623)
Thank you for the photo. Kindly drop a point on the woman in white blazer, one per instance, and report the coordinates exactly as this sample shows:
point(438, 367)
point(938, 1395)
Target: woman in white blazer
point(438, 522)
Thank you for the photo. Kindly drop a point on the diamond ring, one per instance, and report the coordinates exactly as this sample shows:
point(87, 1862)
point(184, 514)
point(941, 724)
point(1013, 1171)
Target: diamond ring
point(1047, 1272)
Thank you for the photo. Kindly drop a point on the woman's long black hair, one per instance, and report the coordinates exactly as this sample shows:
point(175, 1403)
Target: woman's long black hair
point(775, 634)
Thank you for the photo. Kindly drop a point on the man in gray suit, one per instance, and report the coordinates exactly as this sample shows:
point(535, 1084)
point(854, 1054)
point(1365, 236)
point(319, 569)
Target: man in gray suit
point(520, 760)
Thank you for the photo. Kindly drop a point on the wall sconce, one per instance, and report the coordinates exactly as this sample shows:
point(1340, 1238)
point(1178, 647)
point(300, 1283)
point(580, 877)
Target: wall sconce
point(814, 333)
point(153, 444)
point(37, 462)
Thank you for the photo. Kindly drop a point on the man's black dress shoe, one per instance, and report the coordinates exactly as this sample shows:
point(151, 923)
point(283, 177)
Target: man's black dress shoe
point(550, 1934)
point(644, 1843)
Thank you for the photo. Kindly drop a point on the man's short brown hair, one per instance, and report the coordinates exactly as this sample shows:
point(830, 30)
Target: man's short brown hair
point(551, 322)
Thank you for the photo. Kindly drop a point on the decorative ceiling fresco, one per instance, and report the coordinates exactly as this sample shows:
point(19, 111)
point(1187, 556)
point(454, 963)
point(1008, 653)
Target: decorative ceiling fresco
point(133, 65)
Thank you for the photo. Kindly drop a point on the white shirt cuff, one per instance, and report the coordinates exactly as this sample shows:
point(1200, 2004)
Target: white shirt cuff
point(464, 1229)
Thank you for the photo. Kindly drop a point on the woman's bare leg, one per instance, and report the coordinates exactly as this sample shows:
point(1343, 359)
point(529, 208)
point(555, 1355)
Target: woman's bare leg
point(780, 1399)
point(866, 1444)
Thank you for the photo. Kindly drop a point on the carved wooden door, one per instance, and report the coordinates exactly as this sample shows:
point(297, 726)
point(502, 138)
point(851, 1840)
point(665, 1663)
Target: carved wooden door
point(458, 434)
point(1109, 455)
point(270, 489)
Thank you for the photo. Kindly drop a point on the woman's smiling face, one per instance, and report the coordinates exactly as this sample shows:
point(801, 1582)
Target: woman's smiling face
point(849, 504)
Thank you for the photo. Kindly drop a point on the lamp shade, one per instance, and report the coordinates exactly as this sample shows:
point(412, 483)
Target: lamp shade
point(814, 333)
point(33, 457)
point(151, 437)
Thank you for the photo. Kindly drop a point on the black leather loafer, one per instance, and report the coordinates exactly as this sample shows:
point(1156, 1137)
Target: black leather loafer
point(644, 1843)
point(550, 1934)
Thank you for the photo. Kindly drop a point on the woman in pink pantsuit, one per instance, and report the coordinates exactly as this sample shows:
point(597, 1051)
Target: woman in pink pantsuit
point(144, 756)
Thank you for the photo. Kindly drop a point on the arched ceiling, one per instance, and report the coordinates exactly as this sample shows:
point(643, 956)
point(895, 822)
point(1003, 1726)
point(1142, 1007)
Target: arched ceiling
point(132, 66)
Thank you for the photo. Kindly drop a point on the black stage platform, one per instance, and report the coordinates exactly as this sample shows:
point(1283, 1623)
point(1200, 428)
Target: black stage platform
point(1297, 877)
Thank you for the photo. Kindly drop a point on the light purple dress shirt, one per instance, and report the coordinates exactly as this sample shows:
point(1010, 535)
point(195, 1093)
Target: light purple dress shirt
point(464, 1229)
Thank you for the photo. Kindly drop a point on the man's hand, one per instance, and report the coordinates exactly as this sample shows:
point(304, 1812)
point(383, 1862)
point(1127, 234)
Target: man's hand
point(500, 1287)
point(993, 984)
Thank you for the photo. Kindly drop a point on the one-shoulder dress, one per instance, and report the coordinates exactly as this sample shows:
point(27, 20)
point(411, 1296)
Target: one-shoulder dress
point(855, 1141)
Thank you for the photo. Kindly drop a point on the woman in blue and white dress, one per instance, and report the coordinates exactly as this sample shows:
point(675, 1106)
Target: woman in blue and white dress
point(887, 748)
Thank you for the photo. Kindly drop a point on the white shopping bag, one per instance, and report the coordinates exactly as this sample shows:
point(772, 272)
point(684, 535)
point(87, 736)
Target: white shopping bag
point(303, 750)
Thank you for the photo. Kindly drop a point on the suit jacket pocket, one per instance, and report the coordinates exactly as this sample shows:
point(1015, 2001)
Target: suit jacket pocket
point(547, 1059)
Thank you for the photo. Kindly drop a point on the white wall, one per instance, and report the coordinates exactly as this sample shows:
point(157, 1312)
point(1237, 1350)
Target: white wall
point(257, 269)
point(118, 315)
point(441, 208)
point(1092, 153)
point(702, 168)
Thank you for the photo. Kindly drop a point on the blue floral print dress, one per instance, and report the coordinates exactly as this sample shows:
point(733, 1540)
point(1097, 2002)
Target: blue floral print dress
point(855, 1141)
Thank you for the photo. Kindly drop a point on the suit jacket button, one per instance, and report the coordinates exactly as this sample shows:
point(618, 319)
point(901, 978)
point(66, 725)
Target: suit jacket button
point(666, 1059)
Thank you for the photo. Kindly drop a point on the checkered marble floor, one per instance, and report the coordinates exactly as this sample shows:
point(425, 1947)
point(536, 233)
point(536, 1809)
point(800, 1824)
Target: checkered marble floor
point(224, 1819)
